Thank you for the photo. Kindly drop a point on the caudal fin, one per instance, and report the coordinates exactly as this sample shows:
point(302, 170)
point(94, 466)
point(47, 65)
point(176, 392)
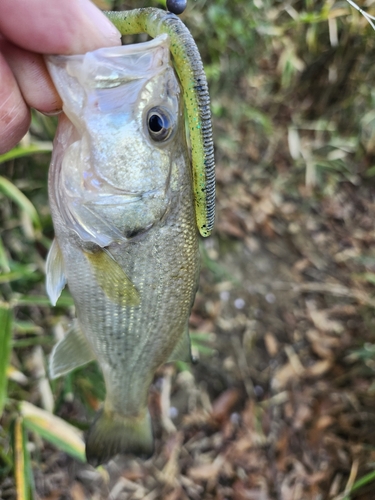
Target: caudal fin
point(112, 433)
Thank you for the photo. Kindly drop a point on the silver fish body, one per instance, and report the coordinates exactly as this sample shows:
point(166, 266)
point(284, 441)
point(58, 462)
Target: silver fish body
point(126, 242)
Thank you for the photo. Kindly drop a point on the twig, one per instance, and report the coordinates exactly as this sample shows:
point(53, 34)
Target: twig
point(243, 366)
point(350, 483)
point(329, 288)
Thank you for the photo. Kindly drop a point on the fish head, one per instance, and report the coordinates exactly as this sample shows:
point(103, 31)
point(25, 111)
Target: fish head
point(124, 104)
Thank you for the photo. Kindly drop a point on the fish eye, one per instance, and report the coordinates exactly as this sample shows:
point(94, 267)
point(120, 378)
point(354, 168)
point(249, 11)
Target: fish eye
point(160, 124)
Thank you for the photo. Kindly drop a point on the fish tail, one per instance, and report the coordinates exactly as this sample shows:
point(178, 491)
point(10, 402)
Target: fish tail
point(112, 433)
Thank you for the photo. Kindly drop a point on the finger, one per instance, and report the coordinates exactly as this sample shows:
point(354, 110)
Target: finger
point(56, 26)
point(14, 114)
point(32, 77)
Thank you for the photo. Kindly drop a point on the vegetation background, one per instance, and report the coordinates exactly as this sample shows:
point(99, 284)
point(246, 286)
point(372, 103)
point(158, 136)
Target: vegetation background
point(281, 405)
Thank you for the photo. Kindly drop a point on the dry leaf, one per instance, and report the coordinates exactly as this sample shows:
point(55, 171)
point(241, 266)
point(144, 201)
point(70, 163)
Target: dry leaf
point(271, 343)
point(224, 404)
point(207, 472)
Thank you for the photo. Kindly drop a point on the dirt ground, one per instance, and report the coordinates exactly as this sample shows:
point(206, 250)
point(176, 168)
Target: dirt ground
point(283, 408)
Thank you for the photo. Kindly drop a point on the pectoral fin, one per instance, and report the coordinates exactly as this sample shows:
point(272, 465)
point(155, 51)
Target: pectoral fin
point(71, 352)
point(55, 276)
point(112, 279)
point(182, 351)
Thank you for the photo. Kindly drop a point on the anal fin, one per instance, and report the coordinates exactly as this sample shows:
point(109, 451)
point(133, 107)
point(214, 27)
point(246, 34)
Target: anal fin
point(182, 350)
point(55, 276)
point(71, 352)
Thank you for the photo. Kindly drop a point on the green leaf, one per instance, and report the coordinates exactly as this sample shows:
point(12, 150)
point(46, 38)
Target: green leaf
point(369, 277)
point(370, 172)
point(5, 349)
point(54, 430)
point(182, 366)
point(201, 341)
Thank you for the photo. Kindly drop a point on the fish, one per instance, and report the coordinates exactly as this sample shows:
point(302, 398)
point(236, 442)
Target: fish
point(126, 239)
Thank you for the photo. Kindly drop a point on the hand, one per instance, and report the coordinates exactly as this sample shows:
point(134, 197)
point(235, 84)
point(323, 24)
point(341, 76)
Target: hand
point(28, 29)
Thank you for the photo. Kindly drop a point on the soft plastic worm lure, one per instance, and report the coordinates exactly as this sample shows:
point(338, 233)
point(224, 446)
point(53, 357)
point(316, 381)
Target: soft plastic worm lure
point(190, 70)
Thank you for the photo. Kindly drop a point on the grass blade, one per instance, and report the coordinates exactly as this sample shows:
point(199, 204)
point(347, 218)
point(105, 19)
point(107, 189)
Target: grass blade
point(22, 468)
point(5, 349)
point(363, 481)
point(23, 272)
point(12, 192)
point(65, 300)
point(54, 430)
point(19, 151)
point(16, 375)
point(4, 263)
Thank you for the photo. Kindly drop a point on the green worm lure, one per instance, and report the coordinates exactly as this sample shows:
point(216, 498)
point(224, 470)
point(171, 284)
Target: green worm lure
point(189, 67)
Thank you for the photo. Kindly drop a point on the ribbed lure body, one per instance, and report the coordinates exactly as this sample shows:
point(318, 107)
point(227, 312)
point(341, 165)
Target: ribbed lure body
point(189, 67)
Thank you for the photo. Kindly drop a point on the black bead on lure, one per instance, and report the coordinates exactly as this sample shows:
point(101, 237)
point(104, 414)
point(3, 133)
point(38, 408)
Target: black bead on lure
point(127, 200)
point(176, 6)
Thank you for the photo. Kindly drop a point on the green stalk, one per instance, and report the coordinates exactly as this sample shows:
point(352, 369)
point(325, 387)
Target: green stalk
point(5, 350)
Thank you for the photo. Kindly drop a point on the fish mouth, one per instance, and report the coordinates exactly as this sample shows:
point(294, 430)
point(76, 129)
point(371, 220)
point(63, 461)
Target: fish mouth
point(99, 191)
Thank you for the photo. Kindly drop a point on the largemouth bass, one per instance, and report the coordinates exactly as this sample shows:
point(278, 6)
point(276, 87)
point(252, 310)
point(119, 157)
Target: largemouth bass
point(126, 238)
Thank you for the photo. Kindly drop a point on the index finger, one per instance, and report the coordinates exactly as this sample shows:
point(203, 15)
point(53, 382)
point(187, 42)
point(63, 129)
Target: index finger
point(56, 26)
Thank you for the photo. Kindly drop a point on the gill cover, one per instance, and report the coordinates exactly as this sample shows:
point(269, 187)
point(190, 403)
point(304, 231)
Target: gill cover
point(190, 70)
point(107, 180)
